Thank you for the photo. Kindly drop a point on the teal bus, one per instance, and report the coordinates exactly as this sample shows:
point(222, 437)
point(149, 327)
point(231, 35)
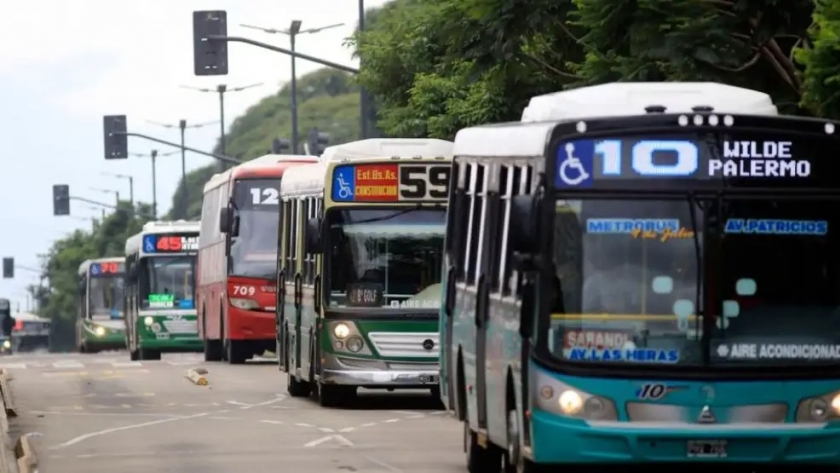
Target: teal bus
point(160, 290)
point(645, 274)
point(99, 325)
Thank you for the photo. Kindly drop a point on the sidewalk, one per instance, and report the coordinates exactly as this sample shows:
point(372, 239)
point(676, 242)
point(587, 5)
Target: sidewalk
point(16, 454)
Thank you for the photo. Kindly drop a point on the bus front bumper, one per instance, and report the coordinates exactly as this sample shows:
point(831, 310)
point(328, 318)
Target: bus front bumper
point(379, 374)
point(558, 440)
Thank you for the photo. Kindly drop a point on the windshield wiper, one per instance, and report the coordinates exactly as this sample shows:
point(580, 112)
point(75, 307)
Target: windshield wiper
point(698, 258)
point(387, 217)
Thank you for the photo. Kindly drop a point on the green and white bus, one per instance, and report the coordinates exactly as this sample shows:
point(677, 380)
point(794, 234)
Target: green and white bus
point(160, 290)
point(99, 325)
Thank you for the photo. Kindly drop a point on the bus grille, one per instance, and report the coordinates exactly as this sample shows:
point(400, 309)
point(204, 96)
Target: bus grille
point(181, 326)
point(404, 345)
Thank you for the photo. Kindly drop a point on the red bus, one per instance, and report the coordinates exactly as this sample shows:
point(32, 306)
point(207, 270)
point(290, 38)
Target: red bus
point(237, 258)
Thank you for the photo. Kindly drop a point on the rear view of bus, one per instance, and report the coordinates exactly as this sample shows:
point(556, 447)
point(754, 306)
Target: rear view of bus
point(100, 325)
point(238, 258)
point(678, 272)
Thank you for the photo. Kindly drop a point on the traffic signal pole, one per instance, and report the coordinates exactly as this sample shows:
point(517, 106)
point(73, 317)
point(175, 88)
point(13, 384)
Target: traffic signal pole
point(220, 157)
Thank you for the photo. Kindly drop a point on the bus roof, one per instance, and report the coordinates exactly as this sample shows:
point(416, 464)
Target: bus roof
point(631, 98)
point(389, 147)
point(307, 180)
point(135, 242)
point(270, 165)
point(83, 268)
point(529, 137)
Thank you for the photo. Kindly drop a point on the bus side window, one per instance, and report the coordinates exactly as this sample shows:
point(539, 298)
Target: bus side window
point(460, 230)
point(507, 184)
point(307, 209)
point(525, 183)
point(288, 237)
point(293, 244)
point(473, 236)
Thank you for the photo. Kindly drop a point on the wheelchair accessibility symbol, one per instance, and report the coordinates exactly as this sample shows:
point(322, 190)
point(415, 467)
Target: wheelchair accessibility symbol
point(344, 190)
point(575, 164)
point(149, 244)
point(344, 184)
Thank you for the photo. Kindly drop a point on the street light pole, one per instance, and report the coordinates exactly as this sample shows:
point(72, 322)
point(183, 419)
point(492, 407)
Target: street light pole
point(130, 184)
point(363, 95)
point(154, 155)
point(222, 89)
point(292, 32)
point(109, 191)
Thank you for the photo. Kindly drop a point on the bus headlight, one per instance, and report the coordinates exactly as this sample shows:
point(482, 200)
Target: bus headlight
point(99, 331)
point(355, 344)
point(7, 344)
point(148, 321)
point(553, 395)
point(341, 331)
point(819, 409)
point(244, 304)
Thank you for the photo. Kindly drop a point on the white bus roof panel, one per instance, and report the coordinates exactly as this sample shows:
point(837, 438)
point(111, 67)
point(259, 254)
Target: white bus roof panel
point(83, 268)
point(389, 147)
point(631, 98)
point(135, 242)
point(217, 179)
point(304, 180)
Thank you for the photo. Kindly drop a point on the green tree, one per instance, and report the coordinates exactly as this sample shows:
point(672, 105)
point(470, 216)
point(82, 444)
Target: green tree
point(327, 100)
point(57, 299)
point(821, 60)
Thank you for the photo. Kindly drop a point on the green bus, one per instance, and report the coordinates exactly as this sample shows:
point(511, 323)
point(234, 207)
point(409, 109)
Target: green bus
point(359, 268)
point(99, 325)
point(160, 290)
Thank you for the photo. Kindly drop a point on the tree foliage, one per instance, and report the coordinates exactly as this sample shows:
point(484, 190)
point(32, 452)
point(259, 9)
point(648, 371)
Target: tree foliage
point(57, 297)
point(327, 100)
point(436, 66)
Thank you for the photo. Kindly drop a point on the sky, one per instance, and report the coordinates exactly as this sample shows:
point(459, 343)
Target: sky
point(63, 65)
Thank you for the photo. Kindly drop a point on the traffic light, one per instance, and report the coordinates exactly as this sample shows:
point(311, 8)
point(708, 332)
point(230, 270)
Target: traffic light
point(278, 145)
point(61, 200)
point(116, 140)
point(210, 57)
point(317, 142)
point(8, 268)
point(7, 322)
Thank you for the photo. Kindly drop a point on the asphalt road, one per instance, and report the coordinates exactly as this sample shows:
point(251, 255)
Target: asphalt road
point(103, 413)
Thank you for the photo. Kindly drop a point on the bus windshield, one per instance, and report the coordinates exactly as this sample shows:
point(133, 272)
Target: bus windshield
point(385, 258)
point(254, 251)
point(106, 297)
point(627, 282)
point(168, 282)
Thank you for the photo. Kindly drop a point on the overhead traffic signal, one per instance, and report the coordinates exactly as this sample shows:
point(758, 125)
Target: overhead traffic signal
point(317, 142)
point(8, 268)
point(61, 199)
point(210, 57)
point(7, 322)
point(278, 145)
point(116, 140)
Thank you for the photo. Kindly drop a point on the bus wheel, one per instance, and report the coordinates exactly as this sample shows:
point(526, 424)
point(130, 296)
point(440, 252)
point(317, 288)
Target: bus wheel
point(514, 461)
point(212, 350)
point(330, 395)
point(479, 459)
point(297, 388)
point(146, 354)
point(134, 355)
point(82, 348)
point(236, 351)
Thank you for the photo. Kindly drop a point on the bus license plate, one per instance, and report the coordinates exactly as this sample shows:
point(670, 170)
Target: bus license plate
point(429, 378)
point(706, 449)
point(162, 336)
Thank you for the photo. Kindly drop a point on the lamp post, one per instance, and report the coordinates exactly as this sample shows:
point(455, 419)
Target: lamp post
point(130, 184)
point(154, 155)
point(292, 31)
point(222, 89)
point(108, 191)
point(182, 125)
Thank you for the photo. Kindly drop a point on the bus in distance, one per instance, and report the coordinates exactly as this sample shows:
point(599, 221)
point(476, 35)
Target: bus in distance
point(645, 274)
point(359, 264)
point(160, 290)
point(100, 325)
point(237, 258)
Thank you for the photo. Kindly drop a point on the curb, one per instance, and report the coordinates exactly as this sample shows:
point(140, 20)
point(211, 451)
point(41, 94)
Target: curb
point(27, 460)
point(6, 392)
point(198, 376)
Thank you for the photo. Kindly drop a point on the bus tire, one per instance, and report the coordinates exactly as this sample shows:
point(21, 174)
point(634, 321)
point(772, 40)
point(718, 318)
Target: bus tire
point(133, 355)
point(147, 354)
point(297, 388)
point(236, 351)
point(331, 395)
point(213, 349)
point(479, 459)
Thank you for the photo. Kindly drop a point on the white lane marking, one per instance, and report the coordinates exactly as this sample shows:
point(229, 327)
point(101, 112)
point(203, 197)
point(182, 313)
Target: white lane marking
point(369, 424)
point(100, 414)
point(418, 416)
point(391, 421)
point(304, 425)
point(224, 418)
point(383, 464)
point(66, 364)
point(99, 433)
point(280, 397)
point(340, 439)
point(326, 429)
point(13, 366)
point(347, 429)
point(407, 413)
point(273, 422)
point(126, 364)
point(132, 394)
point(237, 403)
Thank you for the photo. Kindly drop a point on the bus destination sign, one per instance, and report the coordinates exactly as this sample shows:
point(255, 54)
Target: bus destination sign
point(106, 269)
point(390, 182)
point(170, 243)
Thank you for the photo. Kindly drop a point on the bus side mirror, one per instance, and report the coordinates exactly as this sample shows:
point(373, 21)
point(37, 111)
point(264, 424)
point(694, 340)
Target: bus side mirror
point(234, 226)
point(224, 220)
point(82, 287)
point(524, 224)
point(133, 272)
point(312, 239)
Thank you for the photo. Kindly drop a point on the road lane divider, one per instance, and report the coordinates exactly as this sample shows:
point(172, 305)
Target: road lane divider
point(198, 376)
point(27, 459)
point(8, 459)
